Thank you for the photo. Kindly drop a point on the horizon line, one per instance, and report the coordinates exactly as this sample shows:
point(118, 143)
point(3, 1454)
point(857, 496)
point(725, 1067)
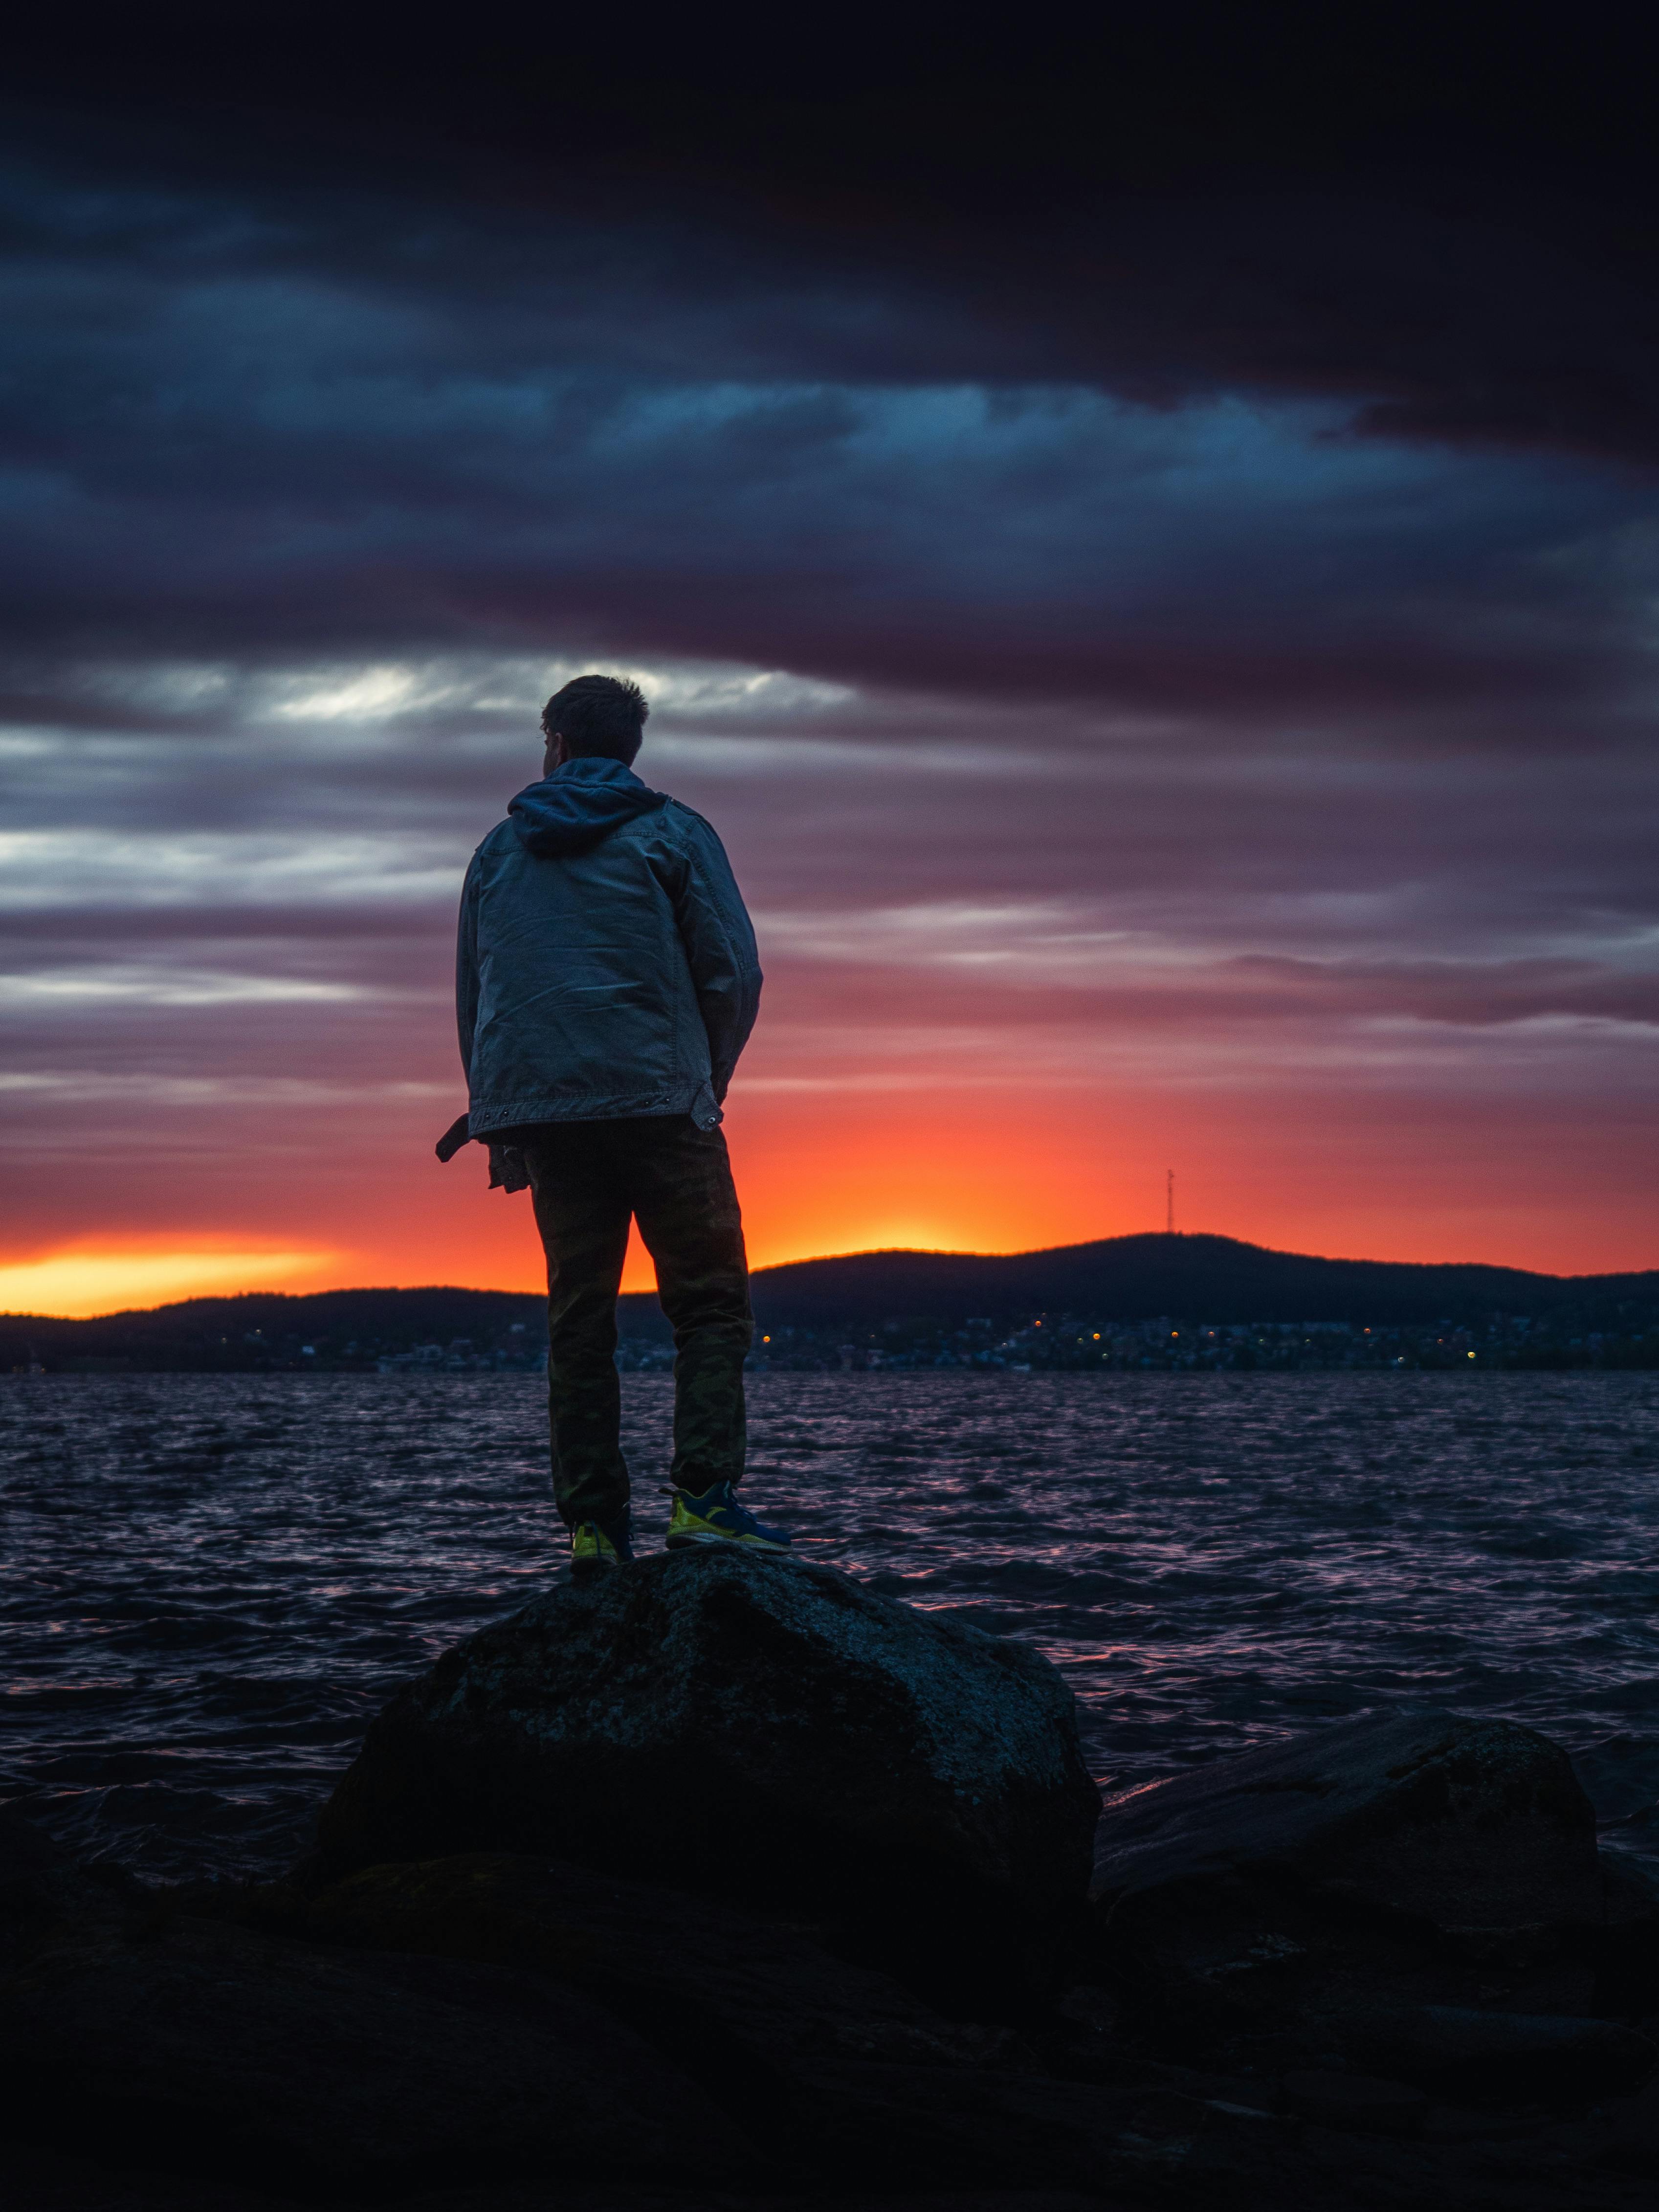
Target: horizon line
point(826, 1259)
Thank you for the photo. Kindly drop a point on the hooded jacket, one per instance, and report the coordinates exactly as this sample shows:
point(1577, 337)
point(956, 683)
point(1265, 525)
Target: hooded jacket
point(606, 965)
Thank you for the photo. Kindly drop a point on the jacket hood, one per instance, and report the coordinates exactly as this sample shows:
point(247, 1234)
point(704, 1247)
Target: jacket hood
point(580, 802)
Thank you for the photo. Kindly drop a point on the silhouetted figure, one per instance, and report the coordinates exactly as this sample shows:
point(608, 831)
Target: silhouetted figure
point(606, 980)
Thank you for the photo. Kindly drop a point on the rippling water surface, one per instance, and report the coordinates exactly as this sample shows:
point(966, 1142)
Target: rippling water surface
point(212, 1583)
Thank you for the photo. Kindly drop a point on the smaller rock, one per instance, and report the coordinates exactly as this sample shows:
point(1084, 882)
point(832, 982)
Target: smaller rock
point(1630, 1893)
point(42, 1888)
point(1634, 2151)
point(1620, 1774)
point(1362, 2104)
point(1407, 1858)
point(1624, 1947)
point(1081, 2042)
point(26, 1853)
point(1469, 2056)
point(1470, 1824)
point(1091, 2010)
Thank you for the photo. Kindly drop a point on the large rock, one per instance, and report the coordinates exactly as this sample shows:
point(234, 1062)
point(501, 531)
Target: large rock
point(759, 1726)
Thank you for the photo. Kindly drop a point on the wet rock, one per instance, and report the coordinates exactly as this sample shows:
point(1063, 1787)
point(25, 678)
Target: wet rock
point(1625, 1946)
point(1620, 1775)
point(39, 2179)
point(1293, 1902)
point(204, 2047)
point(44, 1889)
point(1361, 2103)
point(1469, 1823)
point(927, 2128)
point(27, 1854)
point(1080, 2041)
point(732, 1997)
point(1254, 1971)
point(1470, 2056)
point(1630, 2144)
point(755, 1726)
point(836, 2071)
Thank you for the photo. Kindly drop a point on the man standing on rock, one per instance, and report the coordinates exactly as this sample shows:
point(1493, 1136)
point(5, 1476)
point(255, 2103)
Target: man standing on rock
point(606, 980)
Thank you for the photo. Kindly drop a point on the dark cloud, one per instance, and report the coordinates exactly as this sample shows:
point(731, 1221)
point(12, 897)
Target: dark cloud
point(211, 457)
point(1449, 228)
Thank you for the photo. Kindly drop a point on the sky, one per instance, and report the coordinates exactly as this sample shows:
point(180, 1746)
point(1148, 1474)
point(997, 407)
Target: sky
point(1148, 554)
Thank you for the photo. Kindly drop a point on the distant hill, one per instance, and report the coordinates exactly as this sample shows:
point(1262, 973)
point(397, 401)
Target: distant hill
point(1193, 1280)
point(1197, 1278)
point(267, 1328)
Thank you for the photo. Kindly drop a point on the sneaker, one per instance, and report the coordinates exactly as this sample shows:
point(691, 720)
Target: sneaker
point(716, 1517)
point(596, 1546)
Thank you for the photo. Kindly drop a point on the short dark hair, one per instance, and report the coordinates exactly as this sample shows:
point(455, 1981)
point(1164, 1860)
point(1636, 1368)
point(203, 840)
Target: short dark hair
point(598, 717)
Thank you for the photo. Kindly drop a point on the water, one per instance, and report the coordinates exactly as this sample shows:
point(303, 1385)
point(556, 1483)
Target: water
point(211, 1583)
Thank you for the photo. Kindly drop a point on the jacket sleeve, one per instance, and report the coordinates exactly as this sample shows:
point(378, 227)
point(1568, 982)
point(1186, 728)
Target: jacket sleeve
point(720, 944)
point(466, 968)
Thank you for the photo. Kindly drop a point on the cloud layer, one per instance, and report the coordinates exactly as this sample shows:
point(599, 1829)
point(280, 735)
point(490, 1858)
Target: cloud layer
point(1158, 698)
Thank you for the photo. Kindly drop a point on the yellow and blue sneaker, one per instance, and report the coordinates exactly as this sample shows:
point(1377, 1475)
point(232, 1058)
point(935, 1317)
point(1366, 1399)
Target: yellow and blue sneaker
point(714, 1516)
point(596, 1546)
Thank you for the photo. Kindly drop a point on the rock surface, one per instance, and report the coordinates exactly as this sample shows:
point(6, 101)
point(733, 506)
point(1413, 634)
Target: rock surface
point(1473, 1824)
point(136, 2031)
point(1359, 2102)
point(491, 2033)
point(726, 1994)
point(755, 1726)
point(1474, 2055)
point(1409, 1893)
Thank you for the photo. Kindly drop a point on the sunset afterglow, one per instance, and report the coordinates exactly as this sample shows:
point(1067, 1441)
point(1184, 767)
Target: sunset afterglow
point(79, 1282)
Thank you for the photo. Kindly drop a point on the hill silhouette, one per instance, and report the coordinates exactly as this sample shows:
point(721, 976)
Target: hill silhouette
point(1200, 1278)
point(1192, 1279)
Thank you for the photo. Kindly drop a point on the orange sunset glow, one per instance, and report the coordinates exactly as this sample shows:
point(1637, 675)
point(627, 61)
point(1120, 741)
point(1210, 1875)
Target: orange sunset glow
point(989, 1169)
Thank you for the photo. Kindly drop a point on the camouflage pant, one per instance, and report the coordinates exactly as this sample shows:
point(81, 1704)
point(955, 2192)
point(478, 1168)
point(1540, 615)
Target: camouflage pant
point(588, 1178)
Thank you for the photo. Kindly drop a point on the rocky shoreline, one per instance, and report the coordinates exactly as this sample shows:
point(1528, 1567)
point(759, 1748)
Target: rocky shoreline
point(729, 1883)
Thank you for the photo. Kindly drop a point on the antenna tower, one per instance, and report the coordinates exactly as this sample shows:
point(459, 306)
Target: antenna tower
point(1168, 1202)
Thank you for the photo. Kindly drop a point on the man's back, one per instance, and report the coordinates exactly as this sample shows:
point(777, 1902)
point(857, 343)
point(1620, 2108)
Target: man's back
point(606, 965)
